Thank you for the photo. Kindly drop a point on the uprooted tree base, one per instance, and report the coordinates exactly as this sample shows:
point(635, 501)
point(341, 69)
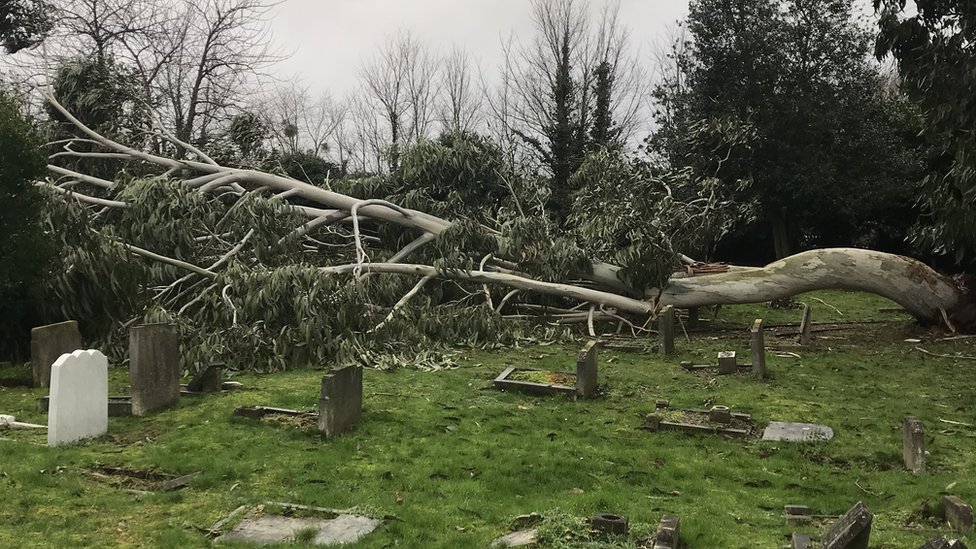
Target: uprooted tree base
point(261, 268)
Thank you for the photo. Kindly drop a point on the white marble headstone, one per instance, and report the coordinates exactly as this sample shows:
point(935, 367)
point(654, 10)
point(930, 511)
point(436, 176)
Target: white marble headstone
point(79, 397)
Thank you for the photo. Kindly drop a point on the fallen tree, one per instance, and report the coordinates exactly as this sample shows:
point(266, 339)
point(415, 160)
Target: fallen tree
point(229, 240)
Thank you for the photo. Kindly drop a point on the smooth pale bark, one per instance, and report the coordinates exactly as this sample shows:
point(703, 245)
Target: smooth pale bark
point(923, 292)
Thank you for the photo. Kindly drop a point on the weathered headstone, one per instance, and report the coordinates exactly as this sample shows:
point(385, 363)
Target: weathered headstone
point(586, 369)
point(913, 442)
point(720, 414)
point(154, 367)
point(341, 400)
point(797, 432)
point(757, 344)
point(665, 330)
point(48, 343)
point(208, 380)
point(692, 318)
point(958, 513)
point(79, 397)
point(806, 335)
point(942, 543)
point(726, 362)
point(800, 541)
point(851, 531)
point(668, 533)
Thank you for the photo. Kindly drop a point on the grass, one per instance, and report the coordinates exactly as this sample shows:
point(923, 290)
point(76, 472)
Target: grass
point(454, 461)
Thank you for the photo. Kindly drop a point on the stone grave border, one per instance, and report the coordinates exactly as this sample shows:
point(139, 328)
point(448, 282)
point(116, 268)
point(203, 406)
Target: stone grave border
point(661, 424)
point(502, 382)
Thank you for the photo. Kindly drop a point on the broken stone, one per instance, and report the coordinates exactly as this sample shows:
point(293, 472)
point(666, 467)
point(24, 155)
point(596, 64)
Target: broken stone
point(942, 543)
point(661, 403)
point(519, 538)
point(341, 400)
point(806, 336)
point(668, 533)
point(207, 380)
point(12, 423)
point(48, 343)
point(178, 482)
point(615, 525)
point(345, 529)
point(851, 531)
point(79, 397)
point(586, 370)
point(726, 362)
point(273, 529)
point(913, 444)
point(154, 367)
point(958, 513)
point(757, 345)
point(800, 541)
point(665, 330)
point(797, 432)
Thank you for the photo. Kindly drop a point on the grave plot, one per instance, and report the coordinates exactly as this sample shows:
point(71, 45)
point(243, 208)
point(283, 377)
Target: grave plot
point(140, 480)
point(283, 523)
point(727, 364)
point(282, 417)
point(583, 383)
point(719, 420)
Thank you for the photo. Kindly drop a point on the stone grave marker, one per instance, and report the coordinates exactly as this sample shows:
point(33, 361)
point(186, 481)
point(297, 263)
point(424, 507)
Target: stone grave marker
point(800, 541)
point(851, 531)
point(668, 533)
point(958, 513)
point(797, 514)
point(913, 443)
point(154, 367)
point(208, 380)
point(665, 330)
point(797, 432)
point(79, 397)
point(941, 542)
point(273, 529)
point(806, 335)
point(757, 344)
point(48, 343)
point(586, 370)
point(692, 318)
point(726, 362)
point(341, 400)
point(608, 523)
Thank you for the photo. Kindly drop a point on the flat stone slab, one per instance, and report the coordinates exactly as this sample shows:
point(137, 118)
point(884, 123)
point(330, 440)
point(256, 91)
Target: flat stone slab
point(520, 538)
point(272, 529)
point(797, 432)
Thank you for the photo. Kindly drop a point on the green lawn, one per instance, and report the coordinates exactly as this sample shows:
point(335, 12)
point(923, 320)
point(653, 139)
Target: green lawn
point(454, 460)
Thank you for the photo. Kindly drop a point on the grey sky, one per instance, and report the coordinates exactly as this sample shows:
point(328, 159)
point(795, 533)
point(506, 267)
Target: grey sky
point(330, 38)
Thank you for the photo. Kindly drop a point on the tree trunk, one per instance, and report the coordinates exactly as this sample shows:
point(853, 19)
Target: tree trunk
point(781, 234)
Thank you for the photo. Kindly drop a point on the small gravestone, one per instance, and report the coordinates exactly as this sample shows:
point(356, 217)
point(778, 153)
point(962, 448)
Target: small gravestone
point(942, 543)
point(806, 336)
point(692, 318)
point(958, 513)
point(720, 414)
point(726, 362)
point(851, 531)
point(800, 541)
point(615, 525)
point(48, 343)
point(341, 400)
point(79, 397)
point(665, 330)
point(757, 344)
point(154, 367)
point(668, 533)
point(586, 369)
point(913, 442)
point(797, 514)
point(208, 380)
point(797, 432)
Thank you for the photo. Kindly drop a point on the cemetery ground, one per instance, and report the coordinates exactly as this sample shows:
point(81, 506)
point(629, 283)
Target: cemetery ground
point(450, 461)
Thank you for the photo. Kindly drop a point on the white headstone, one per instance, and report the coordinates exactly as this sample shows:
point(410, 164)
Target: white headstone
point(79, 397)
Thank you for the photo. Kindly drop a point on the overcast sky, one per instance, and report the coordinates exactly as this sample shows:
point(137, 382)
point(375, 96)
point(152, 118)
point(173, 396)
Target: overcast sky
point(329, 39)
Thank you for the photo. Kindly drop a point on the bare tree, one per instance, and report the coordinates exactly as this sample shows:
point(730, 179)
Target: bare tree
point(460, 102)
point(298, 122)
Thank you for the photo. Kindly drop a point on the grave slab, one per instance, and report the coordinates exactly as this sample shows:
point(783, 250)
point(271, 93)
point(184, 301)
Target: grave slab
point(757, 345)
point(345, 529)
point(797, 432)
point(851, 531)
point(48, 343)
point(800, 541)
point(586, 370)
point(341, 400)
point(913, 444)
point(79, 397)
point(959, 514)
point(270, 529)
point(520, 538)
point(154, 367)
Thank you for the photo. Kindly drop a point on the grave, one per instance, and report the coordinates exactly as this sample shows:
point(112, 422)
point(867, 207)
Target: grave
point(668, 534)
point(958, 513)
point(757, 344)
point(208, 379)
point(726, 362)
point(665, 330)
point(614, 525)
point(48, 343)
point(797, 514)
point(667, 417)
point(140, 480)
point(317, 526)
point(341, 400)
point(806, 335)
point(851, 531)
point(913, 444)
point(800, 541)
point(79, 397)
point(154, 367)
point(546, 382)
point(797, 432)
point(942, 543)
point(118, 406)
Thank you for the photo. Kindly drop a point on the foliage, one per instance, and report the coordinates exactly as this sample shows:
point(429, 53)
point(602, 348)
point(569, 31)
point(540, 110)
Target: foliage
point(24, 23)
point(831, 149)
point(25, 248)
point(936, 57)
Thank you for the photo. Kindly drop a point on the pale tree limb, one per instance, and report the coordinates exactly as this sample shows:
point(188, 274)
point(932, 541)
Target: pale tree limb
point(403, 301)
